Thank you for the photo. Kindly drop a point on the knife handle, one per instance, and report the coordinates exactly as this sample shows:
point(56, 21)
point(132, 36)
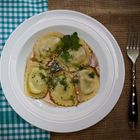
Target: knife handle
point(133, 108)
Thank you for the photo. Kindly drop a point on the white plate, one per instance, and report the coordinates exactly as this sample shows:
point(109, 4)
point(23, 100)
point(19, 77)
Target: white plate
point(61, 119)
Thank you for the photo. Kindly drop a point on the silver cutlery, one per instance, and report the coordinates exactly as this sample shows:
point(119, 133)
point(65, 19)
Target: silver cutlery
point(133, 54)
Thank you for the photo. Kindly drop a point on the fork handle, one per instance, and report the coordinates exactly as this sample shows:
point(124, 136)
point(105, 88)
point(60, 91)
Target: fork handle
point(133, 107)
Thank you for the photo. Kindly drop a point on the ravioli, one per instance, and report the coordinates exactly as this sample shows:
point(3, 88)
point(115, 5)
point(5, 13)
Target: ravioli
point(77, 57)
point(62, 70)
point(35, 86)
point(45, 46)
point(88, 84)
point(64, 92)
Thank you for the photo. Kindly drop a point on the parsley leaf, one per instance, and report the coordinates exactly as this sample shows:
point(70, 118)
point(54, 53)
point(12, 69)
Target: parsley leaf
point(68, 42)
point(81, 66)
point(64, 83)
point(42, 75)
point(75, 41)
point(41, 66)
point(65, 55)
point(52, 82)
point(91, 75)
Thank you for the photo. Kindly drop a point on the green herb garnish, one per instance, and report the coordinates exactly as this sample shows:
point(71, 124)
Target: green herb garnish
point(41, 66)
point(91, 75)
point(81, 67)
point(64, 83)
point(68, 42)
point(48, 52)
point(42, 75)
point(73, 99)
point(33, 76)
point(52, 82)
point(75, 41)
point(65, 56)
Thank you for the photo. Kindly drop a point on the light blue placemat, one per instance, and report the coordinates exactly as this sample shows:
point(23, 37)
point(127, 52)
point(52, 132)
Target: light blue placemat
point(12, 13)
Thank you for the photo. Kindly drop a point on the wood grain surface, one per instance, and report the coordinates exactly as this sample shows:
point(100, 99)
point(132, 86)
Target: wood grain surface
point(116, 15)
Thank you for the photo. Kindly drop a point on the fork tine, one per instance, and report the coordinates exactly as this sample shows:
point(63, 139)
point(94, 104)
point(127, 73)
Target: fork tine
point(135, 39)
point(130, 38)
point(138, 40)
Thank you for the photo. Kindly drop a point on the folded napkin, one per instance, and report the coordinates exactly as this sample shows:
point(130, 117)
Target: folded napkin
point(12, 13)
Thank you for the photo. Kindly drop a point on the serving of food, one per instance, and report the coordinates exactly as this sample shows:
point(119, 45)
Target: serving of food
point(62, 70)
point(54, 80)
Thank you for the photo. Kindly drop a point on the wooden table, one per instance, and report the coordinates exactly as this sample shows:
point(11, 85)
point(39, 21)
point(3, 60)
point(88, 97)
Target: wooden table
point(116, 15)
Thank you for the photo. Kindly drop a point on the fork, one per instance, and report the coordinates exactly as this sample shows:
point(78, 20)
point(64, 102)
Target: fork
point(133, 53)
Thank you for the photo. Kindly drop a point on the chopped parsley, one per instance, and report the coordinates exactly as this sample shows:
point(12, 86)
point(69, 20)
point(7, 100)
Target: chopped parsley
point(52, 82)
point(64, 83)
point(75, 41)
point(91, 75)
point(72, 99)
point(48, 52)
point(81, 67)
point(44, 77)
point(65, 55)
point(68, 42)
point(33, 76)
point(41, 66)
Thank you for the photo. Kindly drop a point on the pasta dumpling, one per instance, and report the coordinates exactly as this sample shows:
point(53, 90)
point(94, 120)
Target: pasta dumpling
point(78, 57)
point(64, 93)
point(45, 46)
point(35, 81)
point(88, 84)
